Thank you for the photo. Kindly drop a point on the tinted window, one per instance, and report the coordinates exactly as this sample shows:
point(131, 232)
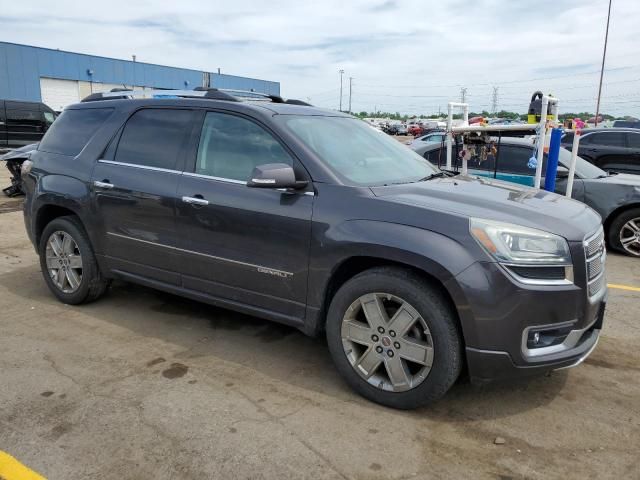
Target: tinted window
point(515, 160)
point(73, 129)
point(230, 147)
point(153, 137)
point(611, 139)
point(634, 140)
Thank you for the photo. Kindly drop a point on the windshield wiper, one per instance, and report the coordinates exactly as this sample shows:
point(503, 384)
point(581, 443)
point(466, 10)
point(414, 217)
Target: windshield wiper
point(439, 174)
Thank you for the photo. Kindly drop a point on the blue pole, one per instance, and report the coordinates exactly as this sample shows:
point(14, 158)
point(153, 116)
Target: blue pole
point(552, 160)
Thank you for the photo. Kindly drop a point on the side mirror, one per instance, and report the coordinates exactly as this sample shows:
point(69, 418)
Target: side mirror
point(274, 175)
point(563, 172)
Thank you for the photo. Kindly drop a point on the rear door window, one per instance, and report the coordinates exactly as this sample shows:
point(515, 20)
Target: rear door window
point(154, 137)
point(73, 129)
point(610, 139)
point(634, 140)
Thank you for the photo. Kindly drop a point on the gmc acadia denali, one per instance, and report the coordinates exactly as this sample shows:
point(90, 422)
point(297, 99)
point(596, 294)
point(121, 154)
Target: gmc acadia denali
point(312, 218)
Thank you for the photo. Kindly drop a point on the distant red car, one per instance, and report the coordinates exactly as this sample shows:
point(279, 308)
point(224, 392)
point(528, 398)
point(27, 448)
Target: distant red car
point(415, 130)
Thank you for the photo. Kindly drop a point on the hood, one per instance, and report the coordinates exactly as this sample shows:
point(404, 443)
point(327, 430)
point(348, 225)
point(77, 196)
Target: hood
point(22, 152)
point(621, 179)
point(500, 201)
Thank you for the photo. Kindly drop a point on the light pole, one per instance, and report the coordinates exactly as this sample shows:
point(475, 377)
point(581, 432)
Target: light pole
point(341, 71)
point(350, 85)
point(604, 54)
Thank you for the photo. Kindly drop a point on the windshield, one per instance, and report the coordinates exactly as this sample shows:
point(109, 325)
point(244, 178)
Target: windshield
point(357, 153)
point(584, 169)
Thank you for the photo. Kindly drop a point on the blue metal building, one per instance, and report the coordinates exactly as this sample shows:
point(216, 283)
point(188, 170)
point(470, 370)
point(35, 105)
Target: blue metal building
point(59, 78)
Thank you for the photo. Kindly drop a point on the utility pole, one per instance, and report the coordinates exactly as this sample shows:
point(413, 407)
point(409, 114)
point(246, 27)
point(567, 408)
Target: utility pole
point(604, 54)
point(463, 95)
point(341, 71)
point(350, 85)
point(494, 100)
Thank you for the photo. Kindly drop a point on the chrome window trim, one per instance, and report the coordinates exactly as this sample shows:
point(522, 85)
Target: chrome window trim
point(141, 167)
point(211, 177)
point(233, 181)
point(260, 268)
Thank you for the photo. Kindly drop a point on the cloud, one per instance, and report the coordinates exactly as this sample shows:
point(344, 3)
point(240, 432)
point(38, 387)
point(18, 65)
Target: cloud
point(409, 56)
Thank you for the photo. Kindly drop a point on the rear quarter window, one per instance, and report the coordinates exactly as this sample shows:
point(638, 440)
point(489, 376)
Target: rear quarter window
point(72, 130)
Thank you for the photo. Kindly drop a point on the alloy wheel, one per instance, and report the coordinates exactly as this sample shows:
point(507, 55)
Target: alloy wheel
point(630, 236)
point(64, 262)
point(387, 342)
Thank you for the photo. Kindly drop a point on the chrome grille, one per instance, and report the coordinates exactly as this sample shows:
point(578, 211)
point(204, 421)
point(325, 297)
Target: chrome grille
point(595, 254)
point(595, 267)
point(593, 244)
point(596, 285)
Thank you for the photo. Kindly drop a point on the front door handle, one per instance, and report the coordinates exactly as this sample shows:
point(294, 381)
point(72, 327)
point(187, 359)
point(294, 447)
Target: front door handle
point(195, 201)
point(103, 184)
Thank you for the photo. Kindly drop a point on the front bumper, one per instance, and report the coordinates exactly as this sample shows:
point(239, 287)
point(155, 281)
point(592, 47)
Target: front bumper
point(497, 314)
point(487, 366)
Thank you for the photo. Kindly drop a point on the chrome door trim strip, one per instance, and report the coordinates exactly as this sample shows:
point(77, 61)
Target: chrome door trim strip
point(211, 177)
point(260, 268)
point(231, 180)
point(141, 167)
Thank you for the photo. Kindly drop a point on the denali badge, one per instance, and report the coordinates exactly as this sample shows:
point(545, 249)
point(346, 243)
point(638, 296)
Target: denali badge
point(277, 273)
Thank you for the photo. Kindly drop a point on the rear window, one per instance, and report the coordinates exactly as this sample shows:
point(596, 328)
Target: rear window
point(72, 130)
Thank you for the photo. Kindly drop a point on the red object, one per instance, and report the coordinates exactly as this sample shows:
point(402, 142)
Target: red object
point(415, 130)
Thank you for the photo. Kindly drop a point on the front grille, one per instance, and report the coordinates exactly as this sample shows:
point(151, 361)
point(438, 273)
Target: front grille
point(594, 251)
point(593, 244)
point(596, 285)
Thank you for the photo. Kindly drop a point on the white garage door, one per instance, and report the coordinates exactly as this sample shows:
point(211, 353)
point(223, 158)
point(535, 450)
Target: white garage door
point(105, 87)
point(59, 93)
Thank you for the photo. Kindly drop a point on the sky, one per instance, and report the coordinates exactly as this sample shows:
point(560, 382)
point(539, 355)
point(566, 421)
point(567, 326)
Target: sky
point(409, 56)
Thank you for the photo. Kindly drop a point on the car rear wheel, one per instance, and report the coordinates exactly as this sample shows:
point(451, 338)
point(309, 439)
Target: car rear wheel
point(624, 232)
point(68, 264)
point(393, 338)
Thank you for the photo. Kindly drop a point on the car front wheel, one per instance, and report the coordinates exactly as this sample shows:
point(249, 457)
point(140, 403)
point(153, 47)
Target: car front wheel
point(394, 338)
point(624, 232)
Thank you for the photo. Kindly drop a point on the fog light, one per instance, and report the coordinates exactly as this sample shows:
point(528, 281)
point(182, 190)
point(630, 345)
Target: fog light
point(547, 337)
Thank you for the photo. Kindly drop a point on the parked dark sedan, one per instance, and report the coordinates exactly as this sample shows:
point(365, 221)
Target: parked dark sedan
point(615, 196)
point(611, 149)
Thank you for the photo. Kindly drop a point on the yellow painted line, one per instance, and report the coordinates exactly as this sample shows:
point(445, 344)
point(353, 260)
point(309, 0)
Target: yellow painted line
point(12, 469)
point(623, 287)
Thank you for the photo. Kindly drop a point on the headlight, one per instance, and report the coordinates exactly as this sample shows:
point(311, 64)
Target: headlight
point(516, 245)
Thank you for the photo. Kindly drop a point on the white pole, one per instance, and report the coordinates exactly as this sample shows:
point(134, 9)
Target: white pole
point(449, 134)
point(541, 140)
point(572, 165)
point(465, 114)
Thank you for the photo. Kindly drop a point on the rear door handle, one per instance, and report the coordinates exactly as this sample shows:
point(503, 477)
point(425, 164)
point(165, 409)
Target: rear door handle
point(195, 201)
point(103, 184)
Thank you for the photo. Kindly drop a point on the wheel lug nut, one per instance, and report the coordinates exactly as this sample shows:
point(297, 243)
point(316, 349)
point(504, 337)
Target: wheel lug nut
point(380, 329)
point(374, 338)
point(379, 349)
point(396, 344)
point(390, 353)
point(392, 333)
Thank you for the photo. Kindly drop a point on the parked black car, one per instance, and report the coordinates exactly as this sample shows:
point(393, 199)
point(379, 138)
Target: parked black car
point(611, 149)
point(397, 129)
point(311, 218)
point(615, 196)
point(23, 123)
point(627, 123)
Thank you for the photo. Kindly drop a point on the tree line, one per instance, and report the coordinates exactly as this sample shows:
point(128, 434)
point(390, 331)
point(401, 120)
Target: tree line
point(501, 114)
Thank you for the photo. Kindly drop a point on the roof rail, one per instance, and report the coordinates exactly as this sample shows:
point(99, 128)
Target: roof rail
point(230, 95)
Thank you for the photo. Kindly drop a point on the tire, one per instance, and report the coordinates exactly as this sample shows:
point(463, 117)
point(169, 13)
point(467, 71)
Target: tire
point(391, 285)
point(622, 228)
point(89, 283)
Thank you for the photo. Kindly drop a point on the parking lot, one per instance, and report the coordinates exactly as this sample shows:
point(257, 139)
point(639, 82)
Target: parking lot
point(142, 384)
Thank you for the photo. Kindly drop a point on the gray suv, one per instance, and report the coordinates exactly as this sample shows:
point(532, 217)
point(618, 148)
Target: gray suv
point(311, 218)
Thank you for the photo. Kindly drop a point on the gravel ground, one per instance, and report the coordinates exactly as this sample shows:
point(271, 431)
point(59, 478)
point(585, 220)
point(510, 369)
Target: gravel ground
point(143, 384)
